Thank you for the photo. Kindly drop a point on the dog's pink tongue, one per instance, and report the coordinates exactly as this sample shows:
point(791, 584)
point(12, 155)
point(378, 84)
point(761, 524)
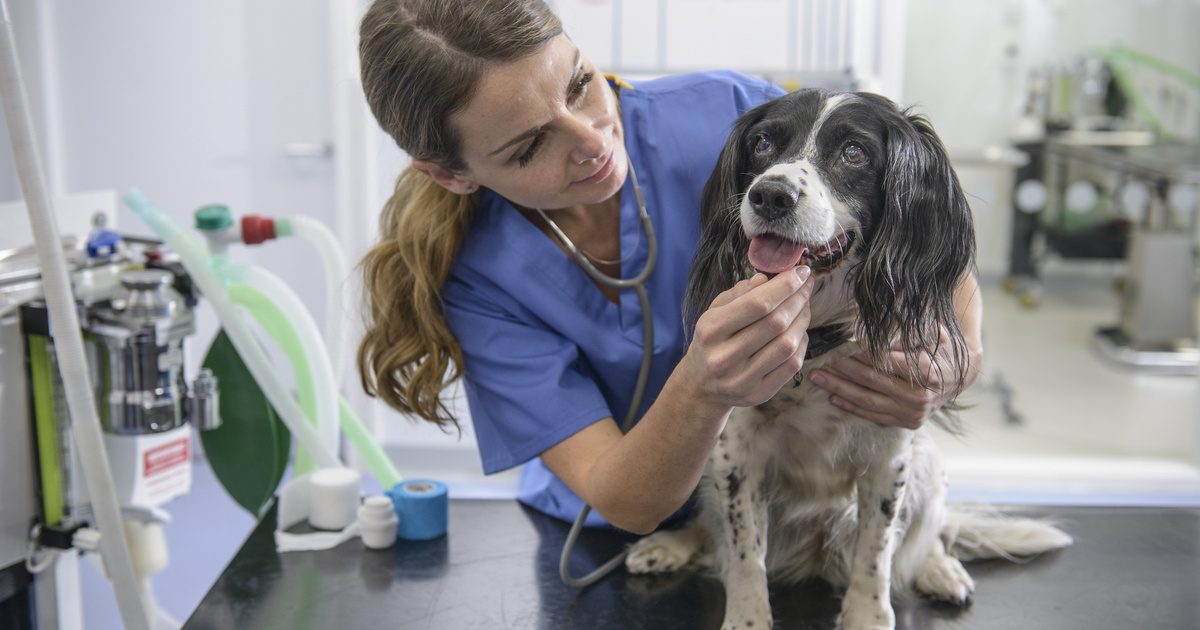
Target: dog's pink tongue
point(771, 254)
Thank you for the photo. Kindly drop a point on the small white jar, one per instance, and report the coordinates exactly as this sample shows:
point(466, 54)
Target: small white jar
point(377, 522)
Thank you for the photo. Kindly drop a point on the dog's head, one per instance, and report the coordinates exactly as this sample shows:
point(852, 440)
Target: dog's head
point(831, 179)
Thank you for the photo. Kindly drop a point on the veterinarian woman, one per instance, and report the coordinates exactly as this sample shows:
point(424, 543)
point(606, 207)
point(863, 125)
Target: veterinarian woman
point(514, 133)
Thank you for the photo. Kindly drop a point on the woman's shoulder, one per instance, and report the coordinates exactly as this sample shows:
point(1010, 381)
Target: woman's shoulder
point(734, 86)
point(679, 122)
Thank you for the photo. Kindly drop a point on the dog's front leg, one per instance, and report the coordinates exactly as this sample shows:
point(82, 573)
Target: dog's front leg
point(881, 490)
point(741, 505)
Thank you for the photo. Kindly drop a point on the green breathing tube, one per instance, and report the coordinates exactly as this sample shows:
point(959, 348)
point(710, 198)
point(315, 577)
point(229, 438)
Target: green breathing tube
point(199, 266)
point(283, 333)
point(1119, 59)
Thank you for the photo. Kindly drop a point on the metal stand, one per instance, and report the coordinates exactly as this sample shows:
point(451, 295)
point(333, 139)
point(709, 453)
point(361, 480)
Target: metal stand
point(1158, 307)
point(1114, 346)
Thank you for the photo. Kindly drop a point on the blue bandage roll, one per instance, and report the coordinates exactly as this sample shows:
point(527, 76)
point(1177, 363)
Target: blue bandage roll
point(423, 508)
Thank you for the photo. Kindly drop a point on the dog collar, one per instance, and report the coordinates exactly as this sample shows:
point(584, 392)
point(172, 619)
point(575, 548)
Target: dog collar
point(825, 338)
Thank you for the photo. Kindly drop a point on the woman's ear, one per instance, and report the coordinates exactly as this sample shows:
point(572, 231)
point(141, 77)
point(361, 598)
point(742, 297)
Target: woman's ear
point(446, 178)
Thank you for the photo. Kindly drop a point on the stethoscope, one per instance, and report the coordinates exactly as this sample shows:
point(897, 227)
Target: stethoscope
point(638, 284)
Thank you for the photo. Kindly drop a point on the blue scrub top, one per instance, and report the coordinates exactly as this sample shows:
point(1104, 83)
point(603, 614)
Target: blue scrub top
point(546, 353)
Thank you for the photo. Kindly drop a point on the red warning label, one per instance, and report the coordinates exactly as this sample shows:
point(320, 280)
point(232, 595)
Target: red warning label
point(165, 457)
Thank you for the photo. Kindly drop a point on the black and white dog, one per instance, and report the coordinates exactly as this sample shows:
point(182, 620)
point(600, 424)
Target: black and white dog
point(864, 194)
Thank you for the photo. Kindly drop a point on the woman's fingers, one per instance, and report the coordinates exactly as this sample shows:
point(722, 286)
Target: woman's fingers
point(782, 355)
point(866, 403)
point(842, 383)
point(858, 387)
point(930, 363)
point(754, 335)
point(738, 290)
point(858, 369)
point(873, 416)
point(759, 349)
point(783, 373)
point(790, 317)
point(738, 308)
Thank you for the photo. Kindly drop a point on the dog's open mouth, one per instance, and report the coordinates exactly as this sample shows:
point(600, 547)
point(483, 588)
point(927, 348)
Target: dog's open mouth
point(773, 254)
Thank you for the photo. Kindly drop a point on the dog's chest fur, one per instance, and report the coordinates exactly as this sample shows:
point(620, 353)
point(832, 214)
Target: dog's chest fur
point(812, 446)
point(813, 450)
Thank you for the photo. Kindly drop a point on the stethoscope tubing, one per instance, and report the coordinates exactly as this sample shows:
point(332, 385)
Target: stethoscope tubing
point(638, 284)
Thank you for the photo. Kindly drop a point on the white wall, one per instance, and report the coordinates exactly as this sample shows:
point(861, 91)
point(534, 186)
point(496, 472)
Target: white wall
point(966, 61)
point(814, 42)
point(192, 102)
point(26, 21)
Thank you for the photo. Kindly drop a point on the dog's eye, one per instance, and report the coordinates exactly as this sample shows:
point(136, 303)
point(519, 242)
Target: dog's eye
point(854, 154)
point(763, 146)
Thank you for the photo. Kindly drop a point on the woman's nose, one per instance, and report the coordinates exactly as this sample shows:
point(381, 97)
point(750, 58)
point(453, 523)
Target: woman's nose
point(592, 142)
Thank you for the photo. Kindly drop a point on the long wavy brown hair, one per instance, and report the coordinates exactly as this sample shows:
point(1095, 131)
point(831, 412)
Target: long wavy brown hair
point(421, 61)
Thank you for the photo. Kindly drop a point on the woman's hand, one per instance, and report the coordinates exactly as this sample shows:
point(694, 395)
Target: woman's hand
point(884, 398)
point(751, 340)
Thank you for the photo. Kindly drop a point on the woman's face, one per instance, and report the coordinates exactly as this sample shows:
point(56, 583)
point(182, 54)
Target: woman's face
point(543, 131)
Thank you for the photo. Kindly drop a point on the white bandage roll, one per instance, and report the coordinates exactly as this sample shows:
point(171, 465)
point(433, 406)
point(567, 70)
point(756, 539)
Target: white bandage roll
point(333, 498)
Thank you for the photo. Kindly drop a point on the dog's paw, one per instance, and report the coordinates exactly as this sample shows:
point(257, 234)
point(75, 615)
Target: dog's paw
point(660, 552)
point(865, 612)
point(943, 578)
point(755, 616)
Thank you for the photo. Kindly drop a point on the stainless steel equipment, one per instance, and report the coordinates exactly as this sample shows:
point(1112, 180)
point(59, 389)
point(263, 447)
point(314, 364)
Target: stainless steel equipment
point(1157, 189)
point(135, 308)
point(137, 355)
point(135, 324)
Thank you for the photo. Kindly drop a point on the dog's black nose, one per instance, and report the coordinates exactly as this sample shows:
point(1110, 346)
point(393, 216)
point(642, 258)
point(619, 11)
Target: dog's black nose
point(772, 198)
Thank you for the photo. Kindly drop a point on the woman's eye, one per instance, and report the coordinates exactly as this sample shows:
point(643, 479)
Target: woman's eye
point(763, 146)
point(577, 89)
point(525, 157)
point(854, 154)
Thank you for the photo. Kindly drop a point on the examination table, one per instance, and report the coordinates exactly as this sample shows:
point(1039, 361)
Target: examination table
point(1130, 568)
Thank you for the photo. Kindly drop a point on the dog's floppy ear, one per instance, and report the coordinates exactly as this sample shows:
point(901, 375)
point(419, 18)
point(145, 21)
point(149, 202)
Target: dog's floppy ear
point(921, 244)
point(721, 256)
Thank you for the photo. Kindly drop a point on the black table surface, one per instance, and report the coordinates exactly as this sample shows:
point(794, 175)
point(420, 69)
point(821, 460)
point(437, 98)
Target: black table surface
point(1130, 568)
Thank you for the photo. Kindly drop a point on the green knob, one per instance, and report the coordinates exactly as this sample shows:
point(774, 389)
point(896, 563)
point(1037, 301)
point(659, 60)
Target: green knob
point(213, 217)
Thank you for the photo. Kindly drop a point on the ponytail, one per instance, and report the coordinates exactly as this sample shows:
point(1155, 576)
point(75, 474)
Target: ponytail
point(420, 62)
point(408, 355)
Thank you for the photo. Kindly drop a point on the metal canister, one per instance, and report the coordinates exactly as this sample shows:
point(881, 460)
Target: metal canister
point(138, 354)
